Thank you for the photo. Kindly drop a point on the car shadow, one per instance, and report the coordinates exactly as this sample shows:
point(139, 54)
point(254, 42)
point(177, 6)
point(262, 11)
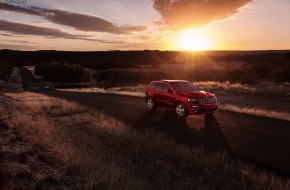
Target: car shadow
point(208, 134)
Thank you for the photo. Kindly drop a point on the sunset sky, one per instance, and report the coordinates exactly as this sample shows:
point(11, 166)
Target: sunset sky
point(93, 25)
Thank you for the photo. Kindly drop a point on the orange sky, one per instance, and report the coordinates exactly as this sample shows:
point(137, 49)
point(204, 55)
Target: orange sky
point(145, 24)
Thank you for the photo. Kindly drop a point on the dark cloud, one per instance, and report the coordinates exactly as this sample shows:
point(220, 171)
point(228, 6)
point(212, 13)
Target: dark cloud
point(77, 21)
point(87, 23)
point(18, 9)
point(25, 29)
point(195, 13)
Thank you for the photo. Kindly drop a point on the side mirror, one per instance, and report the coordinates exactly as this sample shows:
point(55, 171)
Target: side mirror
point(170, 91)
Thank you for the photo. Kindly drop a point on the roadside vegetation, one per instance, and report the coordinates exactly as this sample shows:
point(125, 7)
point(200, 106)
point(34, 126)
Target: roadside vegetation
point(244, 73)
point(62, 73)
point(134, 67)
point(101, 152)
point(209, 66)
point(115, 77)
point(6, 70)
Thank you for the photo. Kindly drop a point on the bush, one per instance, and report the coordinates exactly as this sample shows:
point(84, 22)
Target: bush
point(132, 76)
point(201, 74)
point(281, 74)
point(5, 71)
point(62, 73)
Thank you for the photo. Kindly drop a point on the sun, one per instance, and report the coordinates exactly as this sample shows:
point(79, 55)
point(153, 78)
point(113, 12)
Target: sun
point(193, 40)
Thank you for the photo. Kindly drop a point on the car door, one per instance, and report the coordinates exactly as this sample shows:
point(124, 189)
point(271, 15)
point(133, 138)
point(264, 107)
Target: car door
point(158, 91)
point(168, 98)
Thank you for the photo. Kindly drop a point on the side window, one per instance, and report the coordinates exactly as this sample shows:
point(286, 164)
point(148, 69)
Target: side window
point(156, 86)
point(159, 87)
point(153, 86)
point(166, 88)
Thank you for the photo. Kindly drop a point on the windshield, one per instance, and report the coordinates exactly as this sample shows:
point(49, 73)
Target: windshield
point(185, 87)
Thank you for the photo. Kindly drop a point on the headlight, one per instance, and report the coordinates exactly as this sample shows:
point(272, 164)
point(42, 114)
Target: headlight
point(192, 100)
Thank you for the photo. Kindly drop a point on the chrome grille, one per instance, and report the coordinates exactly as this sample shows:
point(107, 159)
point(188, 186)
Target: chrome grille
point(207, 100)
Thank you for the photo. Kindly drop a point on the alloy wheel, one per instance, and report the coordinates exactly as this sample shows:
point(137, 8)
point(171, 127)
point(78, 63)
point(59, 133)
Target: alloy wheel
point(180, 110)
point(150, 104)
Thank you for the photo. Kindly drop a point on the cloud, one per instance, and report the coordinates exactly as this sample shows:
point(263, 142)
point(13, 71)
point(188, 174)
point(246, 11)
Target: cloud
point(25, 29)
point(77, 21)
point(18, 9)
point(145, 37)
point(184, 14)
point(18, 46)
point(7, 35)
point(19, 42)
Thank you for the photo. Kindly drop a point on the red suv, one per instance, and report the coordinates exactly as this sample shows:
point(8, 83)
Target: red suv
point(180, 95)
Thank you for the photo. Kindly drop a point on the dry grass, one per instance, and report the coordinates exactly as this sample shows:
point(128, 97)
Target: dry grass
point(13, 84)
point(265, 99)
point(224, 85)
point(266, 88)
point(107, 154)
point(126, 90)
point(257, 112)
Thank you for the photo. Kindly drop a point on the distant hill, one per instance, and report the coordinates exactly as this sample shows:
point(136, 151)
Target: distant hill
point(126, 59)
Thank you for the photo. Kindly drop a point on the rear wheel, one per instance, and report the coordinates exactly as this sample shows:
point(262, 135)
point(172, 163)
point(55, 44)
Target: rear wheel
point(150, 104)
point(181, 111)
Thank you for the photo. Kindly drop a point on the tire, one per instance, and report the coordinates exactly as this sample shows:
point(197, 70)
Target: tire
point(150, 104)
point(181, 111)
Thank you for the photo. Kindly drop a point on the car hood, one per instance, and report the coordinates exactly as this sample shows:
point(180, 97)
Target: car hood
point(196, 94)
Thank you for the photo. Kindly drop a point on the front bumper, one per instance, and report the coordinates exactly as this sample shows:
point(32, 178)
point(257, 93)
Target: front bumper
point(202, 108)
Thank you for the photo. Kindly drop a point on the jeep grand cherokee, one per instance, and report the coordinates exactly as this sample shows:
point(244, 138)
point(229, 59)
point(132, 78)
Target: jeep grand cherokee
point(180, 95)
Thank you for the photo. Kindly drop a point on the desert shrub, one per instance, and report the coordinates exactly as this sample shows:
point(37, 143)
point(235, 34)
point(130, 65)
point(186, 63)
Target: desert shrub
point(281, 74)
point(204, 73)
point(5, 70)
point(238, 76)
point(201, 74)
point(111, 65)
point(133, 76)
point(62, 73)
point(287, 56)
point(214, 72)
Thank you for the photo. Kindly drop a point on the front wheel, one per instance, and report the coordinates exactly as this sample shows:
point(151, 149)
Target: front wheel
point(181, 111)
point(150, 104)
